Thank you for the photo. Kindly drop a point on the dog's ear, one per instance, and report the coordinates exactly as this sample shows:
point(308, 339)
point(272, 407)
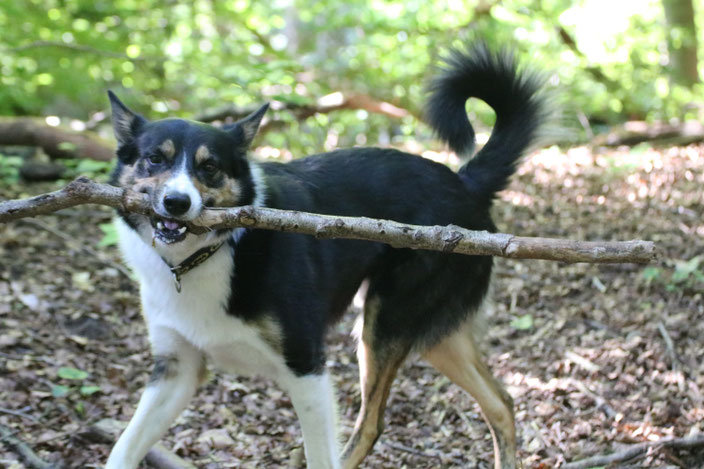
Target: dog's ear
point(247, 127)
point(125, 123)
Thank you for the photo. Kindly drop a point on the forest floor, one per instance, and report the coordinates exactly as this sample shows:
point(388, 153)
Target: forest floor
point(583, 349)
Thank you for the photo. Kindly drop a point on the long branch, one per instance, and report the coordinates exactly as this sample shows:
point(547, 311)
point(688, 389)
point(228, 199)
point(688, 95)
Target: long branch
point(439, 238)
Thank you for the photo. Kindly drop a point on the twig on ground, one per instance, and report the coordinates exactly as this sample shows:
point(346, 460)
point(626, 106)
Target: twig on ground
point(638, 450)
point(27, 356)
point(585, 363)
point(463, 417)
point(669, 344)
point(18, 413)
point(107, 430)
point(7, 436)
point(440, 238)
point(424, 454)
point(598, 400)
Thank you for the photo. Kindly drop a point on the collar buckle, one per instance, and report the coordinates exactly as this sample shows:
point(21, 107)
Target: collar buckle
point(192, 262)
point(177, 281)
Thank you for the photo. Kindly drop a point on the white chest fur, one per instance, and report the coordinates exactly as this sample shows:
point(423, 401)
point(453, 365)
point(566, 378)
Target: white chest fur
point(199, 313)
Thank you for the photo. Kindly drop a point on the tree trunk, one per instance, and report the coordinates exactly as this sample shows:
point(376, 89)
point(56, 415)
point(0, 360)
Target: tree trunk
point(682, 41)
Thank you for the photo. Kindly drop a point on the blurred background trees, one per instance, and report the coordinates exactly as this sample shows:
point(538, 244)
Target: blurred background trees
point(613, 60)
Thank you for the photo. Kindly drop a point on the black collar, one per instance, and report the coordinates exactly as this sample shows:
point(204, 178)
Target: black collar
point(193, 261)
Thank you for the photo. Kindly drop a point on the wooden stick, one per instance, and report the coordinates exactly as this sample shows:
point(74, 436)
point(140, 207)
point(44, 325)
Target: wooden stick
point(7, 436)
point(439, 238)
point(637, 450)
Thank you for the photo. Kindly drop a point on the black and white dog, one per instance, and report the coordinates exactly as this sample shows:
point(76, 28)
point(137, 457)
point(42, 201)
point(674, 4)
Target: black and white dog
point(259, 302)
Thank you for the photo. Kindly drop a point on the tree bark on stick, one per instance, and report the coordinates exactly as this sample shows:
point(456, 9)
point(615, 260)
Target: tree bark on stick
point(400, 235)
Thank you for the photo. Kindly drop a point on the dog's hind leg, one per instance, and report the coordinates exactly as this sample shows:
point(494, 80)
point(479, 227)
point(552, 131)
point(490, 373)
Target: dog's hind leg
point(458, 357)
point(378, 364)
point(178, 368)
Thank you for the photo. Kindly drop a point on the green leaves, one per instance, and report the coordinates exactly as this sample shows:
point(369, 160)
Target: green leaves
point(109, 235)
point(687, 269)
point(71, 373)
point(88, 390)
point(59, 390)
point(523, 323)
point(61, 60)
point(75, 388)
point(9, 168)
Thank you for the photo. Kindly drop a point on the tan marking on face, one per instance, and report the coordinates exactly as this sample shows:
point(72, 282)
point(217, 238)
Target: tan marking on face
point(202, 154)
point(167, 148)
point(148, 185)
point(226, 196)
point(127, 177)
point(152, 183)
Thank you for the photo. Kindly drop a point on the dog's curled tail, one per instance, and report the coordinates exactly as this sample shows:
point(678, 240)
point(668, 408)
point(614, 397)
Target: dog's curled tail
point(515, 96)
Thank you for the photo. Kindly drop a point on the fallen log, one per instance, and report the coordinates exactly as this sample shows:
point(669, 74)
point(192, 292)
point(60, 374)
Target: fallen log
point(56, 142)
point(400, 235)
point(660, 133)
point(333, 102)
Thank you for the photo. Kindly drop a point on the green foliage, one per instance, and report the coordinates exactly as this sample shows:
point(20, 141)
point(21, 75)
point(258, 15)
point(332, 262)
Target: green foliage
point(109, 235)
point(688, 272)
point(97, 170)
point(60, 56)
point(523, 323)
point(9, 168)
point(75, 388)
point(684, 275)
point(71, 373)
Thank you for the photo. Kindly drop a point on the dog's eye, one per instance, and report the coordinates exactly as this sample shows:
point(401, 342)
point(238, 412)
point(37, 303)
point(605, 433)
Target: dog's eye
point(155, 158)
point(209, 167)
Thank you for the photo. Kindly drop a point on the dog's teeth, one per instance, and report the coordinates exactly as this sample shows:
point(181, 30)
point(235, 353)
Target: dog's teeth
point(182, 230)
point(160, 225)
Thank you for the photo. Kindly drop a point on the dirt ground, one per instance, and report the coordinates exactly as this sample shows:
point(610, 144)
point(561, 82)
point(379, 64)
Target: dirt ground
point(583, 349)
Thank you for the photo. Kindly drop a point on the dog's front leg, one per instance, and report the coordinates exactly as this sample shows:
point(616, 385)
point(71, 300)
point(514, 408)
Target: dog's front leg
point(314, 401)
point(178, 367)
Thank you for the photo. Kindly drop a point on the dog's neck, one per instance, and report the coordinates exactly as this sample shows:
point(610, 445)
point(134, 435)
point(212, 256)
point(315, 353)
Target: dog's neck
point(175, 254)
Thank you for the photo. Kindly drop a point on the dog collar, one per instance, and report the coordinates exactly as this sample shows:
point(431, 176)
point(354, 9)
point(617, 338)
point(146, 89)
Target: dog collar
point(191, 262)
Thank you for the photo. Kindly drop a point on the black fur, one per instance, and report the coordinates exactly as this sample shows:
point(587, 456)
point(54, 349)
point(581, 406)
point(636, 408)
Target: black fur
point(492, 77)
point(305, 284)
point(308, 283)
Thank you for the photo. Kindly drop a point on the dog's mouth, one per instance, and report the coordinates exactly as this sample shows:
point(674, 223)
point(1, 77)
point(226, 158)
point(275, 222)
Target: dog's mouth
point(168, 230)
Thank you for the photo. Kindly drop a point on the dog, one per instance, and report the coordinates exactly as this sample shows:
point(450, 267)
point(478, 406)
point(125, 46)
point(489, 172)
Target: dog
point(259, 302)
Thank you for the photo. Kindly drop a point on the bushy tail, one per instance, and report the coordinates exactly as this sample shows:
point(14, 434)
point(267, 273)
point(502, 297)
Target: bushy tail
point(492, 77)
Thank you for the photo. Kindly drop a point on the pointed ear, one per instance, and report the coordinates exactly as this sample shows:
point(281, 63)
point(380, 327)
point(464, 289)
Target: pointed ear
point(125, 123)
point(247, 127)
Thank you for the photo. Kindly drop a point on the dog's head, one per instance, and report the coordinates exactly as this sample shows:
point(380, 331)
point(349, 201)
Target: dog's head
point(183, 166)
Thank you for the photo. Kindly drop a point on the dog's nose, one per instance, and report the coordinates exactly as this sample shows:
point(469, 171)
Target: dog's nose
point(177, 203)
